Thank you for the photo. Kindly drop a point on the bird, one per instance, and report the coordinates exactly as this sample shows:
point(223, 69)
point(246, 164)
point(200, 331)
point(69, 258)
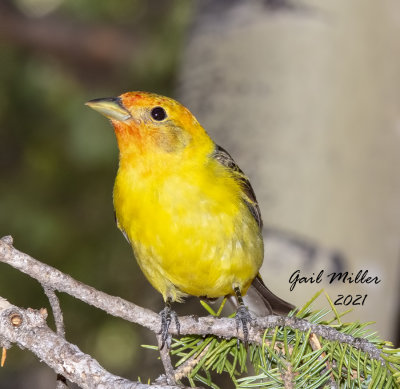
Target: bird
point(186, 208)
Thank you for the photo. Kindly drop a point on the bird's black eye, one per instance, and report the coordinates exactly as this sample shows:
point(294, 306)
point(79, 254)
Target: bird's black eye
point(158, 113)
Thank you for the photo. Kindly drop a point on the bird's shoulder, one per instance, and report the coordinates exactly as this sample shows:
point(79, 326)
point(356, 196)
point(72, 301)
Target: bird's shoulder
point(249, 197)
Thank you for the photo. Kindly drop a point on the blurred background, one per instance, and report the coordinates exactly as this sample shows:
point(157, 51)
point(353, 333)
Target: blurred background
point(304, 95)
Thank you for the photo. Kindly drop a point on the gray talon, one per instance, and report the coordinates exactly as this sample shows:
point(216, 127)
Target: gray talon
point(166, 317)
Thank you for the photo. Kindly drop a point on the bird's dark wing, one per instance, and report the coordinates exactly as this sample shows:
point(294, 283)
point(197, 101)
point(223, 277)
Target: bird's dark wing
point(261, 301)
point(272, 302)
point(223, 157)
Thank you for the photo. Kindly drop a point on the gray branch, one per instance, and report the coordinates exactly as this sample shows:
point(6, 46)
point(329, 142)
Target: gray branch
point(28, 329)
point(57, 313)
point(55, 280)
point(61, 382)
point(166, 361)
point(49, 277)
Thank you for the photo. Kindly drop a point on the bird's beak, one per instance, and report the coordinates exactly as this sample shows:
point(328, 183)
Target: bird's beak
point(110, 107)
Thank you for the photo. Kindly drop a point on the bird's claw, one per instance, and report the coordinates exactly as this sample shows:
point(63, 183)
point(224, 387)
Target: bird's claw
point(243, 319)
point(166, 317)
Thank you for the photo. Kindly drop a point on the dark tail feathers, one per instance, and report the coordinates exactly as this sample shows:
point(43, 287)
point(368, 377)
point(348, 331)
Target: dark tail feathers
point(261, 301)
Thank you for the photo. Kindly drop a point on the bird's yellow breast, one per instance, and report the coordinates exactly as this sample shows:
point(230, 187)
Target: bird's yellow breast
point(189, 227)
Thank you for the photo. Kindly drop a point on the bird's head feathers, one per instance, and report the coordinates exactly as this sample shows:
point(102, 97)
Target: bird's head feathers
point(150, 123)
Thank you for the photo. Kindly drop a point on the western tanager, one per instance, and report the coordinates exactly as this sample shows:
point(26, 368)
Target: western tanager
point(185, 206)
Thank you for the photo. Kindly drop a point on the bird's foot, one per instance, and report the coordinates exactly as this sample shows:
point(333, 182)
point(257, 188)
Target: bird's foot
point(243, 319)
point(167, 314)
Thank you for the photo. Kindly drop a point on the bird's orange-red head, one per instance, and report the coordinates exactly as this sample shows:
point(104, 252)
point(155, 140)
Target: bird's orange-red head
point(146, 122)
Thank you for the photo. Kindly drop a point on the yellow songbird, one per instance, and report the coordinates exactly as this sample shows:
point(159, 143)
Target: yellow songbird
point(184, 205)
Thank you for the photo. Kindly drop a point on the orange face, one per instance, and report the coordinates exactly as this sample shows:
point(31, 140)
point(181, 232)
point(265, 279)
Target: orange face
point(149, 122)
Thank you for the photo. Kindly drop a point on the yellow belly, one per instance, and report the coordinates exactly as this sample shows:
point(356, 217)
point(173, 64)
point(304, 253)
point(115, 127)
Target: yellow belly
point(189, 237)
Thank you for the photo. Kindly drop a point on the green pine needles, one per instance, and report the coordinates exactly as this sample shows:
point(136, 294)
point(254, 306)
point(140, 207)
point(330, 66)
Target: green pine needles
point(315, 352)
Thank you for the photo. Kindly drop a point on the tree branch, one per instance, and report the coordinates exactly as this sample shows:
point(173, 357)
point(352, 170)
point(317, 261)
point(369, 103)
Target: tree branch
point(166, 361)
point(57, 313)
point(52, 278)
point(59, 322)
point(28, 329)
point(55, 280)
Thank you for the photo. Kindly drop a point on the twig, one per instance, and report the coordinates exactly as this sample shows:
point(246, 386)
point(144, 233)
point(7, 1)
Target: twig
point(186, 368)
point(57, 313)
point(166, 361)
point(288, 378)
point(316, 345)
point(61, 382)
point(28, 329)
point(52, 278)
point(324, 331)
point(3, 356)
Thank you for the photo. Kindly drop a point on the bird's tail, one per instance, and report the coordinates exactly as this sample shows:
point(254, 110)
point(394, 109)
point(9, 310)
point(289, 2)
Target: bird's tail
point(262, 302)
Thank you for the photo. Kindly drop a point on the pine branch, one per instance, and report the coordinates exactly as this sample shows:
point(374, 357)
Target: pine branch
point(291, 355)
